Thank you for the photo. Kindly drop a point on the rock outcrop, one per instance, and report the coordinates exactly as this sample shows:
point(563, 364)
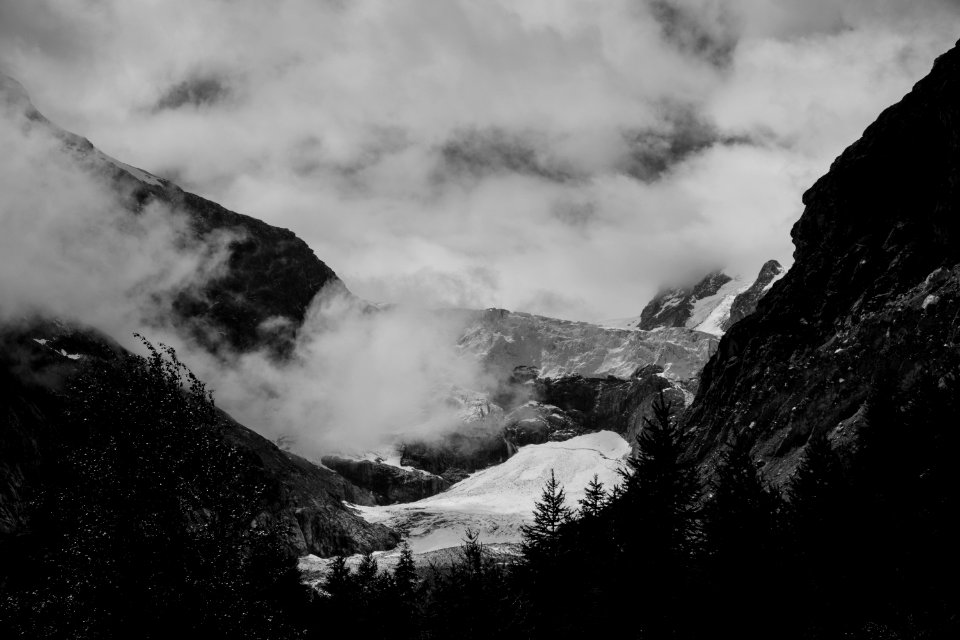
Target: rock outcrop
point(873, 291)
point(675, 307)
point(746, 302)
point(712, 305)
point(388, 483)
point(612, 404)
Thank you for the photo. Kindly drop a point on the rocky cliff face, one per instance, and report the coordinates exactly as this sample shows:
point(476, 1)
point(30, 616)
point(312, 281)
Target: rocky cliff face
point(612, 404)
point(873, 290)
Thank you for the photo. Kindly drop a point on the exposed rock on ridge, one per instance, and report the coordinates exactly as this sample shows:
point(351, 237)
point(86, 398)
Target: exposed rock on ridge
point(389, 484)
point(874, 289)
point(673, 307)
point(746, 302)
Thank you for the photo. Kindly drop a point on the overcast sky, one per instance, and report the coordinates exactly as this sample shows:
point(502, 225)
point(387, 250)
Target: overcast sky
point(556, 156)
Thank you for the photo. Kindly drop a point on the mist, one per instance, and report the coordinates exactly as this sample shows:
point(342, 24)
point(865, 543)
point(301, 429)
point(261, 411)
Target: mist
point(70, 249)
point(359, 377)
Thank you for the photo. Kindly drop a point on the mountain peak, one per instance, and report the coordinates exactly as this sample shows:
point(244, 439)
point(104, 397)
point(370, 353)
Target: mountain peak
point(710, 305)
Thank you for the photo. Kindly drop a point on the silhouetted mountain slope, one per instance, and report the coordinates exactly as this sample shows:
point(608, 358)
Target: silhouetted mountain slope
point(308, 499)
point(874, 289)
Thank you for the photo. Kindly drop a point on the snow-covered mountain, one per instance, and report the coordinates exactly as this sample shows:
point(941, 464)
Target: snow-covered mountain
point(711, 305)
point(503, 340)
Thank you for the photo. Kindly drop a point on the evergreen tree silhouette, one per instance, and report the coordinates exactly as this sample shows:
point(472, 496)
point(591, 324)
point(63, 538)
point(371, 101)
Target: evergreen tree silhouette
point(594, 499)
point(657, 525)
point(541, 540)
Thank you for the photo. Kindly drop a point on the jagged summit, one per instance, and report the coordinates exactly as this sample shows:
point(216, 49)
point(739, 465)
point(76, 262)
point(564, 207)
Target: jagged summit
point(711, 305)
point(746, 301)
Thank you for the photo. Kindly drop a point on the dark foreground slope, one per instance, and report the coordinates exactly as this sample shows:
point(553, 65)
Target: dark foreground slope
point(874, 291)
point(306, 501)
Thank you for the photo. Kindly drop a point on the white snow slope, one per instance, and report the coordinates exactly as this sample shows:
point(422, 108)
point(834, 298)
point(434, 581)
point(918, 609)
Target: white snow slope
point(708, 313)
point(497, 501)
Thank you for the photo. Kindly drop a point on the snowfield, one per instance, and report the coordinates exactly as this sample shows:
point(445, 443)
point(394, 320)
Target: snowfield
point(497, 501)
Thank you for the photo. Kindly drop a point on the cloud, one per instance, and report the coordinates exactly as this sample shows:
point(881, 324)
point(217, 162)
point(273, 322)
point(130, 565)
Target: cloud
point(358, 380)
point(73, 250)
point(577, 154)
point(702, 29)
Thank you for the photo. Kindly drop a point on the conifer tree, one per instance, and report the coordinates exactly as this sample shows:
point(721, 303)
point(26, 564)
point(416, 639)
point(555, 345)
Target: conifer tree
point(656, 523)
point(594, 499)
point(404, 604)
point(405, 574)
point(339, 581)
point(542, 538)
point(661, 489)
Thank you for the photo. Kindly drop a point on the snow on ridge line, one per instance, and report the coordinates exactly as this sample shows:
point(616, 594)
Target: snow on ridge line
point(138, 174)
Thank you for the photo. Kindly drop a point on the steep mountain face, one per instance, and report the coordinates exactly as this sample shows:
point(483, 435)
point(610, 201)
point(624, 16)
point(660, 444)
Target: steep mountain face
point(271, 275)
point(677, 307)
point(874, 291)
